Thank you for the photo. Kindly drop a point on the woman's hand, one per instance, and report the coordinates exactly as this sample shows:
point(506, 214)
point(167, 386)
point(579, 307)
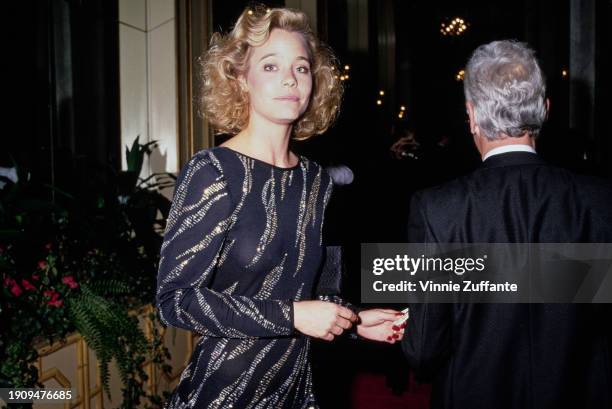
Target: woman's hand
point(321, 319)
point(377, 325)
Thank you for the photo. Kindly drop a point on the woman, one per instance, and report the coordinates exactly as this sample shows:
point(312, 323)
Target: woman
point(242, 250)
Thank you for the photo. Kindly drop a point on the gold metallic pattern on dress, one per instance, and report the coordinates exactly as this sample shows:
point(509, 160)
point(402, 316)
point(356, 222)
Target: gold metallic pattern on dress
point(310, 215)
point(268, 198)
point(224, 299)
point(247, 185)
point(249, 355)
point(230, 290)
point(208, 199)
point(216, 359)
point(201, 246)
point(186, 372)
point(300, 236)
point(207, 196)
point(207, 310)
point(271, 373)
point(241, 348)
point(225, 251)
point(231, 393)
point(206, 274)
point(302, 209)
point(328, 193)
point(286, 311)
point(298, 294)
point(277, 399)
point(180, 192)
point(215, 162)
point(269, 283)
point(283, 184)
point(248, 308)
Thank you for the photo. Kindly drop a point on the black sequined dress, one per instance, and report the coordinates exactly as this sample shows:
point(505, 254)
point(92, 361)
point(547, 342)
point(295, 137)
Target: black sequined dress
point(243, 241)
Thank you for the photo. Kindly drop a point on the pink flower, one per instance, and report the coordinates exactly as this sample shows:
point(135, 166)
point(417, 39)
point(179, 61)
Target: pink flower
point(48, 246)
point(8, 281)
point(27, 285)
point(13, 286)
point(42, 264)
point(56, 303)
point(54, 300)
point(35, 277)
point(16, 290)
point(69, 281)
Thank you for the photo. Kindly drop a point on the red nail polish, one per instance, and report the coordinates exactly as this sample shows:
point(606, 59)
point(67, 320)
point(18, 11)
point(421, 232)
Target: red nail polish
point(389, 338)
point(395, 328)
point(399, 313)
point(395, 336)
point(403, 325)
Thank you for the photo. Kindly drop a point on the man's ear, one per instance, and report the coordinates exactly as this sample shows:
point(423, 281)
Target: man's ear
point(547, 101)
point(469, 107)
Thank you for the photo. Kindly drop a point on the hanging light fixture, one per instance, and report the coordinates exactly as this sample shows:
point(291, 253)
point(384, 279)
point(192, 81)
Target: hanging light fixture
point(454, 27)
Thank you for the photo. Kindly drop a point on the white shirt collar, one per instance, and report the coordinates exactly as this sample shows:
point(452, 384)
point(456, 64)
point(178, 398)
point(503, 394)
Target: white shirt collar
point(508, 148)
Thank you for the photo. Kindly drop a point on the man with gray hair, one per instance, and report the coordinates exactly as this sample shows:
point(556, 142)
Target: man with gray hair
point(540, 356)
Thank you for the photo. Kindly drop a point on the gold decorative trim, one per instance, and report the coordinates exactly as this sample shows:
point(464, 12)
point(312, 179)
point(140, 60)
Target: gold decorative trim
point(194, 29)
point(85, 390)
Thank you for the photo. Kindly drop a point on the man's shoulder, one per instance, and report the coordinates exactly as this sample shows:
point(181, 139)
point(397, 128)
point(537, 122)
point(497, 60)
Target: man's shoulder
point(452, 188)
point(543, 177)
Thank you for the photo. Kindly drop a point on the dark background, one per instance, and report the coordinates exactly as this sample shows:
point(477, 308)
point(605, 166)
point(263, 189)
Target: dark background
point(403, 54)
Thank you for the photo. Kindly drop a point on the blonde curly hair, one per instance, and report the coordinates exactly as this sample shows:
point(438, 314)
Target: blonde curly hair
point(226, 104)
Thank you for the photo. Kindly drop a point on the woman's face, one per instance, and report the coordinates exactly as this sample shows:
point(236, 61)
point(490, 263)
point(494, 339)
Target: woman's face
point(279, 80)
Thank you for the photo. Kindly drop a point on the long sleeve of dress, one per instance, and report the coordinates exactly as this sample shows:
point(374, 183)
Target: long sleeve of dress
point(329, 287)
point(201, 213)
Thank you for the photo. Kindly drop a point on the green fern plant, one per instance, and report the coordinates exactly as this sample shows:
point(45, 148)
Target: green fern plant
point(73, 253)
point(110, 332)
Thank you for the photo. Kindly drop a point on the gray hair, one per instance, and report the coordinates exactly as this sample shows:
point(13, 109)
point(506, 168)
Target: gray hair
point(506, 86)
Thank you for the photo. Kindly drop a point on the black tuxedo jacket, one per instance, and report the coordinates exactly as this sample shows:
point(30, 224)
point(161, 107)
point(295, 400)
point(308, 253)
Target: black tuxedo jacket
point(494, 356)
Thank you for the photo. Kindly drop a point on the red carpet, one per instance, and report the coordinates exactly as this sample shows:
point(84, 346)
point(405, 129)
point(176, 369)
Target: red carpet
point(370, 392)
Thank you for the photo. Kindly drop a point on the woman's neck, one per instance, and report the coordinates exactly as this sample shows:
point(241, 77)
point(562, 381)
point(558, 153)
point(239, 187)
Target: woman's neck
point(268, 143)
